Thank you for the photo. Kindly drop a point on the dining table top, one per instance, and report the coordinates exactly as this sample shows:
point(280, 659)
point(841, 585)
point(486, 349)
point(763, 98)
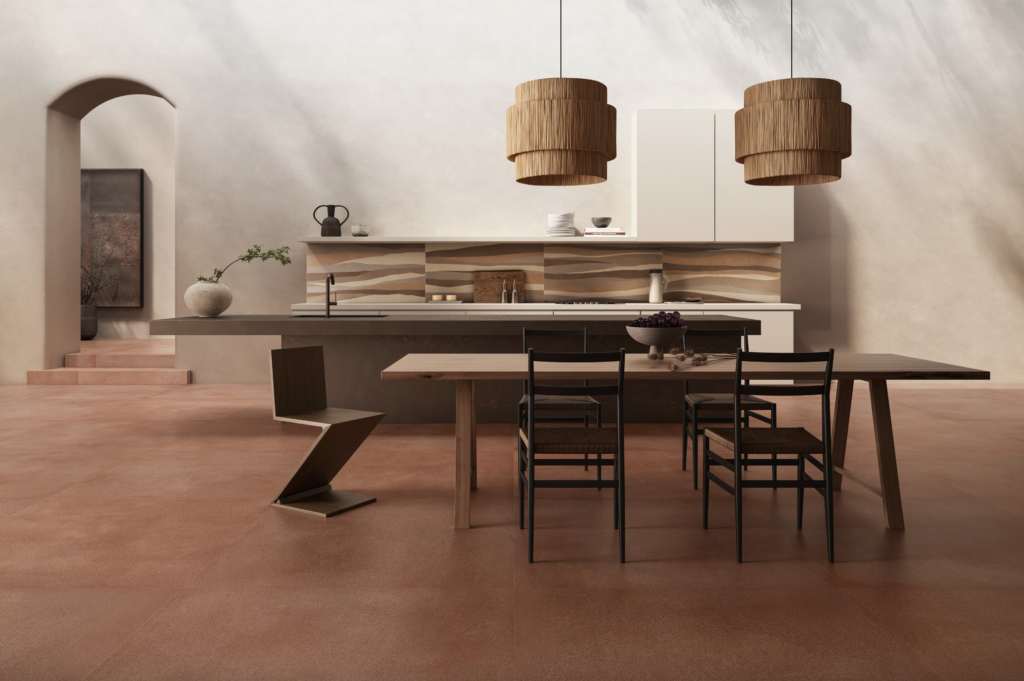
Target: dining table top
point(513, 366)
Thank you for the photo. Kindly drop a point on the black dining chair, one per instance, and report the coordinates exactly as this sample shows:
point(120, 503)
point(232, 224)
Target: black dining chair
point(747, 444)
point(561, 408)
point(562, 446)
point(709, 408)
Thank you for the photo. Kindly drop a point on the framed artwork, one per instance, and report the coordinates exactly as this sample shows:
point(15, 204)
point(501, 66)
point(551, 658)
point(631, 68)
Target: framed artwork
point(112, 212)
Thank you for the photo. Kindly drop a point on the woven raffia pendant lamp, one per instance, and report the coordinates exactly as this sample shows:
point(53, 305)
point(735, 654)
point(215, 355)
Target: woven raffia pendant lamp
point(561, 131)
point(793, 131)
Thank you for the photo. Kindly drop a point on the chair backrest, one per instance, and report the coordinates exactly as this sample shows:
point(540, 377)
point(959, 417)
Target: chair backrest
point(298, 379)
point(552, 333)
point(533, 388)
point(823, 389)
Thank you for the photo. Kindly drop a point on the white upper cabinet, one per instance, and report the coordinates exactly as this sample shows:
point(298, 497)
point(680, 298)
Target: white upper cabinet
point(687, 185)
point(674, 174)
point(744, 212)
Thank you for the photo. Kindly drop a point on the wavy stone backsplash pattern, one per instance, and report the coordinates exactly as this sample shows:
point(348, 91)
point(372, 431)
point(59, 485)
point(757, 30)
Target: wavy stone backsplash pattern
point(450, 267)
point(409, 273)
point(366, 273)
point(602, 273)
point(745, 273)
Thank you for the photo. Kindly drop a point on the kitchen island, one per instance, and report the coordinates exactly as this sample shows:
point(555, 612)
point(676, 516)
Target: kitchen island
point(358, 348)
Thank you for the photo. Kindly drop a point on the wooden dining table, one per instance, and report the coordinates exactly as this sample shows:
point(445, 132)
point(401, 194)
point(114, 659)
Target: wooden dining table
point(876, 369)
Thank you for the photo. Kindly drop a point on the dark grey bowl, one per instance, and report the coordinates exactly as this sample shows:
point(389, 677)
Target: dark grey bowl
point(601, 222)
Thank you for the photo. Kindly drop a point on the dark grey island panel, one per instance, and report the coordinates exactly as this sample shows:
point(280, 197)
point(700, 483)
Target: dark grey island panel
point(357, 349)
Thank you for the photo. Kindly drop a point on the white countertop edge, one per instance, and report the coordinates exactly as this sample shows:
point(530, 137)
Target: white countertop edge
point(526, 308)
point(504, 240)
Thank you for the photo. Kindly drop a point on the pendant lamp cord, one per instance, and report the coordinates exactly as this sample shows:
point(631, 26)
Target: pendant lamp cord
point(560, 37)
point(790, 39)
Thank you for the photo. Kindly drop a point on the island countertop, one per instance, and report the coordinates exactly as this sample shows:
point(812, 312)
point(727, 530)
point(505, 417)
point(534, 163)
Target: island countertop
point(430, 324)
point(560, 309)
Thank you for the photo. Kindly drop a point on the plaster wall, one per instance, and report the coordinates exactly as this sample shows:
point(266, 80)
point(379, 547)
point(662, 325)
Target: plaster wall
point(62, 213)
point(137, 131)
point(395, 108)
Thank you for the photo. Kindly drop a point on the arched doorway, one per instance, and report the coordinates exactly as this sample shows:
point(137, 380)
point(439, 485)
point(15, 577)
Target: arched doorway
point(63, 205)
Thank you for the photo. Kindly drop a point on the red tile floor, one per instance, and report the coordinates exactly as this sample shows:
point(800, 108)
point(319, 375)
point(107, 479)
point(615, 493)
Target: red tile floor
point(136, 543)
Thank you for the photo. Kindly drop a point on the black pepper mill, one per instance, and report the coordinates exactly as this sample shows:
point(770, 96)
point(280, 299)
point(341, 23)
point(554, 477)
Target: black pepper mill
point(330, 226)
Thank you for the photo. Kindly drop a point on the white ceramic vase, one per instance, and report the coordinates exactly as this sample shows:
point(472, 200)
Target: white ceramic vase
point(208, 298)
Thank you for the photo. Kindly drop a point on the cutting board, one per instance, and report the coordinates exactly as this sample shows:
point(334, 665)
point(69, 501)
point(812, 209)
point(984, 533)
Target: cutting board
point(487, 286)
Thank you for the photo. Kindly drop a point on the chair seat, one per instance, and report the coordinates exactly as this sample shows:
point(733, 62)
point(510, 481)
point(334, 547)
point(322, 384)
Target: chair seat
point(725, 402)
point(326, 417)
point(560, 402)
point(573, 440)
point(768, 440)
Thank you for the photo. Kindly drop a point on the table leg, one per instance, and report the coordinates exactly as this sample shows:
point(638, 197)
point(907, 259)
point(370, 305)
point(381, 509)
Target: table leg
point(841, 429)
point(472, 440)
point(463, 451)
point(886, 449)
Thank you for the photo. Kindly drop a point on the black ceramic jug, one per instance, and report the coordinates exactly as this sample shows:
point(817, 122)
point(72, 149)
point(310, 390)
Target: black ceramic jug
point(330, 226)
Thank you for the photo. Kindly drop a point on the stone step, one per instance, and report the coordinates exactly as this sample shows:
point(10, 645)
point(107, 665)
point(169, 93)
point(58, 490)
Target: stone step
point(80, 360)
point(110, 376)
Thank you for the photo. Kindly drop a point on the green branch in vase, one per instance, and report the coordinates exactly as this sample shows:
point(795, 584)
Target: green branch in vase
point(254, 253)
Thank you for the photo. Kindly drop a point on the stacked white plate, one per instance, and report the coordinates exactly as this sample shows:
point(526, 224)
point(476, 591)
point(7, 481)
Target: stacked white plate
point(562, 224)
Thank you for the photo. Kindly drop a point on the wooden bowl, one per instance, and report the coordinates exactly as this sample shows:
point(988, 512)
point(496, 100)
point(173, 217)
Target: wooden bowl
point(656, 338)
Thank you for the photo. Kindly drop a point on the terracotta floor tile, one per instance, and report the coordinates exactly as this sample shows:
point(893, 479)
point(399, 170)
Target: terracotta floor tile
point(940, 436)
point(9, 506)
point(393, 543)
point(233, 435)
point(984, 404)
point(930, 558)
point(246, 391)
point(118, 543)
point(110, 493)
point(309, 633)
point(1013, 504)
point(56, 410)
point(189, 410)
point(704, 634)
point(110, 437)
point(92, 393)
point(223, 475)
point(1009, 427)
point(35, 475)
point(962, 633)
point(15, 428)
point(668, 558)
point(53, 634)
point(425, 473)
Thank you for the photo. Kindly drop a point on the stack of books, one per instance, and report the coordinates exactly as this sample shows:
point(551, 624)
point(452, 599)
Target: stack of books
point(604, 232)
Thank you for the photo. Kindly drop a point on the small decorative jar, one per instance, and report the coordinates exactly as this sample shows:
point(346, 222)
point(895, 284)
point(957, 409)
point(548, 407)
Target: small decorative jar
point(360, 230)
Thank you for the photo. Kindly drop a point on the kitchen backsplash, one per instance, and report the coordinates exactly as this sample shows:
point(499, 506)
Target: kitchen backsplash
point(408, 273)
point(748, 273)
point(584, 272)
point(450, 267)
point(367, 273)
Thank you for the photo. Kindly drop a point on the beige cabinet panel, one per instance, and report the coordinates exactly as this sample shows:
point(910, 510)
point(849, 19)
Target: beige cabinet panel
point(743, 212)
point(674, 174)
